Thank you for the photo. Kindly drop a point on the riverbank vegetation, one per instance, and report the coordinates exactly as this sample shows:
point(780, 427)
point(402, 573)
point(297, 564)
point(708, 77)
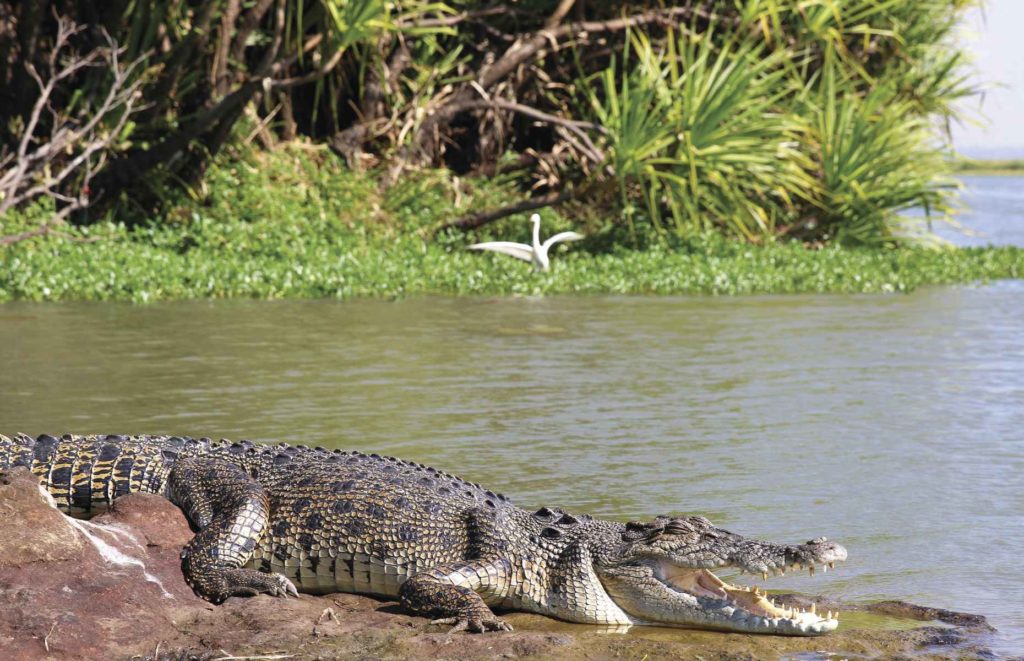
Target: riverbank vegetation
point(354, 147)
point(297, 222)
point(816, 121)
point(971, 166)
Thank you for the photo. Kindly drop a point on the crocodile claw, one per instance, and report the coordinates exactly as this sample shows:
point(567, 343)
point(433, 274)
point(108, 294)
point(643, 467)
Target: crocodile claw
point(474, 624)
point(250, 582)
point(284, 587)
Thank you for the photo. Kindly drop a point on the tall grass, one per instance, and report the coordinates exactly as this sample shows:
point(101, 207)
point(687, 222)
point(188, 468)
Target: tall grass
point(877, 157)
point(817, 120)
point(695, 133)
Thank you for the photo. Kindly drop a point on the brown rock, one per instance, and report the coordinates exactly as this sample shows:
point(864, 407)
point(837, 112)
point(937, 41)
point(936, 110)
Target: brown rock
point(153, 517)
point(34, 531)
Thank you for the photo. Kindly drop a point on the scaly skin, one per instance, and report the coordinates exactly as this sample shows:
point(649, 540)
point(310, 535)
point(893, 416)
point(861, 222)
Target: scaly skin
point(277, 518)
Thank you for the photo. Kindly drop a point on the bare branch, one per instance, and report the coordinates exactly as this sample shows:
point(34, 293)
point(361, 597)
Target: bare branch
point(219, 77)
point(430, 136)
point(79, 139)
point(563, 8)
point(283, 64)
point(475, 220)
point(456, 19)
point(42, 230)
point(314, 75)
point(586, 146)
point(531, 48)
point(250, 22)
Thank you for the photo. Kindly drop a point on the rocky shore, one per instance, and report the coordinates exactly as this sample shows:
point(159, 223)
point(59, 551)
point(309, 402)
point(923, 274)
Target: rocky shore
point(112, 588)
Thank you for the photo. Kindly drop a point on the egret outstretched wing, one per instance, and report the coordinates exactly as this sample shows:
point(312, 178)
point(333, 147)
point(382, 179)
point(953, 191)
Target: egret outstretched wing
point(562, 236)
point(517, 250)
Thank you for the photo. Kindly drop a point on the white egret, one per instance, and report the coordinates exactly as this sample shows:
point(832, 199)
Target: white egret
point(537, 254)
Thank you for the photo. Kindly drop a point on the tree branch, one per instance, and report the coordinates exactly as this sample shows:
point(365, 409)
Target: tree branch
point(219, 77)
point(574, 126)
point(79, 139)
point(456, 19)
point(479, 219)
point(563, 8)
point(250, 22)
point(521, 53)
point(426, 144)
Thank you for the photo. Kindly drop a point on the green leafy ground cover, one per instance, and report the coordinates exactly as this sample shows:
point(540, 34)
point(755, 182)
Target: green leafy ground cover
point(286, 224)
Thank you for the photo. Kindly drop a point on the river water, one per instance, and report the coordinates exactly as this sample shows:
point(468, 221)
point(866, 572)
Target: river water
point(992, 213)
point(893, 423)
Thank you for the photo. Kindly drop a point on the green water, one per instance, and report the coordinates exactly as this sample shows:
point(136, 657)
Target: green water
point(891, 423)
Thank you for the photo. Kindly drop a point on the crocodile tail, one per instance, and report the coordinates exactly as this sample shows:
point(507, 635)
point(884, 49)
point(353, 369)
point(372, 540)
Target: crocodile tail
point(84, 474)
point(16, 450)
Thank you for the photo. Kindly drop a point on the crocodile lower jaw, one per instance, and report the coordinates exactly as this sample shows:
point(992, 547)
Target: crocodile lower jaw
point(761, 612)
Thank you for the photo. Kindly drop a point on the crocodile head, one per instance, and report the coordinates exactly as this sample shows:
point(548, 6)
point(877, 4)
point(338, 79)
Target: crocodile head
point(661, 573)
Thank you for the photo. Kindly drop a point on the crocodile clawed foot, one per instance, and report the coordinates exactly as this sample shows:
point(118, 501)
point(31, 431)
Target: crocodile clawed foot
point(250, 582)
point(474, 624)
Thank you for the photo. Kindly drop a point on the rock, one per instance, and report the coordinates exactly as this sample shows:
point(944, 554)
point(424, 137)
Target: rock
point(151, 517)
point(112, 588)
point(34, 530)
point(92, 589)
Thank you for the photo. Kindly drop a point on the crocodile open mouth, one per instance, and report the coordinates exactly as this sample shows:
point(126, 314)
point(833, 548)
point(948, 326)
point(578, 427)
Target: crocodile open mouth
point(750, 604)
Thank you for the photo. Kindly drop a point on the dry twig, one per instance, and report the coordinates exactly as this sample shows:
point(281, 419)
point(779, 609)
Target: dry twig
point(60, 163)
point(479, 219)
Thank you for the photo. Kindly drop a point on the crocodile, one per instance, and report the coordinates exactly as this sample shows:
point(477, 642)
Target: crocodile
point(279, 519)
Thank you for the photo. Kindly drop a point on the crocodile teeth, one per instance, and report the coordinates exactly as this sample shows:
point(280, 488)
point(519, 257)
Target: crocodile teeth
point(810, 570)
point(814, 610)
point(831, 565)
point(824, 569)
point(829, 616)
point(764, 575)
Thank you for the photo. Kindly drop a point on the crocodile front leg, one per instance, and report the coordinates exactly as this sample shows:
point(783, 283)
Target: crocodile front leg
point(231, 511)
point(452, 594)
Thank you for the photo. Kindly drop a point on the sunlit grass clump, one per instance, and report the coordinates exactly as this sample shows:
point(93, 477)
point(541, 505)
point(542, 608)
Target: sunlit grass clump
point(820, 121)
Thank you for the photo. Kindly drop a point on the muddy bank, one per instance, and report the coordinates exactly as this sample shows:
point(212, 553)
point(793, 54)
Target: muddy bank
point(112, 588)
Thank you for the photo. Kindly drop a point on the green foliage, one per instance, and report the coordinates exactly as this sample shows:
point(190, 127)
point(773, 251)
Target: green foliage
point(812, 120)
point(272, 262)
point(296, 223)
point(694, 133)
point(877, 157)
point(817, 120)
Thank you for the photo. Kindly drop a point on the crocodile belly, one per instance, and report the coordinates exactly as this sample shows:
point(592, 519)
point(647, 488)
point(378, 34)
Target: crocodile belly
point(321, 570)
